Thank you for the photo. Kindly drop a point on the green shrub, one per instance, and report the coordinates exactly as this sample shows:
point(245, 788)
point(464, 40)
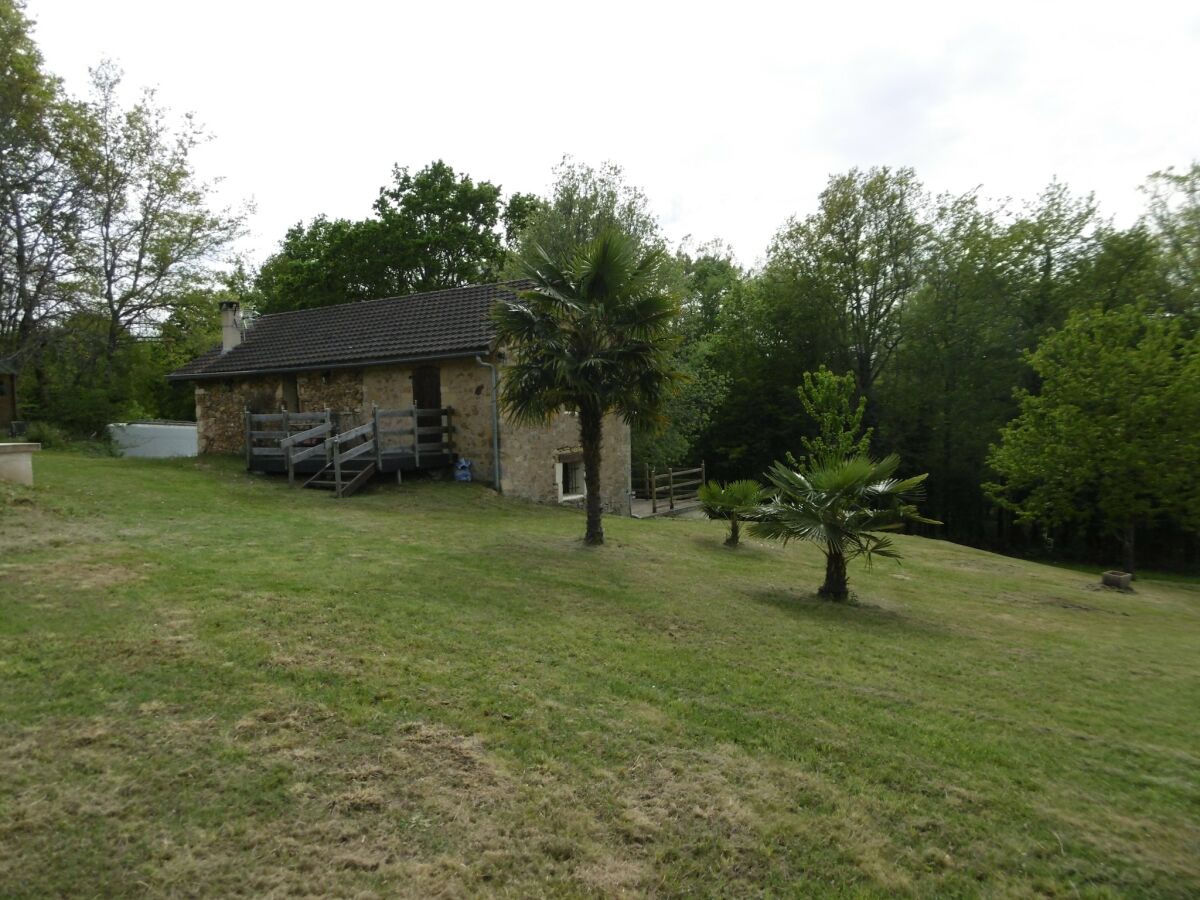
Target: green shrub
point(51, 437)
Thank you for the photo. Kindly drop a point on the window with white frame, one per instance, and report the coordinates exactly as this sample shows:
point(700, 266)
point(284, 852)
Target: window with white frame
point(569, 475)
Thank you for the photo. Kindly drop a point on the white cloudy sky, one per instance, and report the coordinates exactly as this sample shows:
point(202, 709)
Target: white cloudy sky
point(729, 115)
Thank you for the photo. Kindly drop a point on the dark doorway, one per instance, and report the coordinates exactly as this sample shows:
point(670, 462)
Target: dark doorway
point(291, 394)
point(8, 401)
point(427, 394)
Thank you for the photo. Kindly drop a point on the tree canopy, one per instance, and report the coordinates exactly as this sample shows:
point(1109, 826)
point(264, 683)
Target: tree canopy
point(1109, 439)
point(431, 229)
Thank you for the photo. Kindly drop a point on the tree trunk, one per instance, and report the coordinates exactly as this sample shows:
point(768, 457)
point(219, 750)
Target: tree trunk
point(1127, 543)
point(732, 540)
point(835, 586)
point(589, 437)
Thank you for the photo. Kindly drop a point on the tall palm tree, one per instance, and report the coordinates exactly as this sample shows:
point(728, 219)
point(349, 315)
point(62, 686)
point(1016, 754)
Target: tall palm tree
point(592, 336)
point(839, 503)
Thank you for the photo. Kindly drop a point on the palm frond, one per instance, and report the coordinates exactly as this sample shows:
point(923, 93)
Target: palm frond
point(841, 503)
point(593, 330)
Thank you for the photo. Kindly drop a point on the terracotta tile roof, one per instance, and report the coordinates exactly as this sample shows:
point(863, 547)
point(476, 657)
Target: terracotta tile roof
point(451, 322)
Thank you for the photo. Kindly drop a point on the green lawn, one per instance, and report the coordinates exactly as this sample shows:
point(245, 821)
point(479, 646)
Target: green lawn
point(213, 685)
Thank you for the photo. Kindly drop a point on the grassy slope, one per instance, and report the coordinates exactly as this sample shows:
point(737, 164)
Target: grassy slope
point(211, 684)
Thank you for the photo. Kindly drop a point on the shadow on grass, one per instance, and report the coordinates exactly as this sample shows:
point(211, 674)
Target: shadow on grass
point(856, 611)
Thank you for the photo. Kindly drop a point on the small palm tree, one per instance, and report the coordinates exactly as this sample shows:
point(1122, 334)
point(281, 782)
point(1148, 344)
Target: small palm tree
point(591, 337)
point(839, 503)
point(731, 502)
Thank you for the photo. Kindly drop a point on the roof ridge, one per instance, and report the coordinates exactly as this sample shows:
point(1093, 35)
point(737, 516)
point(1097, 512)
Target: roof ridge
point(461, 287)
point(442, 323)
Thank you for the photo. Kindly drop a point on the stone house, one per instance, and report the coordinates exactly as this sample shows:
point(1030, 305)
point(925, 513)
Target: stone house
point(429, 350)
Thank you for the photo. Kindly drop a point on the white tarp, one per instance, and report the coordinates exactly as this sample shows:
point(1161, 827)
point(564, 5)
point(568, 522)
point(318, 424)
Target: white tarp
point(154, 440)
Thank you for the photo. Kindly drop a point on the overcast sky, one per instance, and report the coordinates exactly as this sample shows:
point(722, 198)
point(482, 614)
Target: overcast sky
point(731, 116)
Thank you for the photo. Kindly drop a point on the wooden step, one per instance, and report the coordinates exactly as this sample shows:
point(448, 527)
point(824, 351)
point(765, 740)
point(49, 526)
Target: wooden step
point(353, 477)
point(358, 480)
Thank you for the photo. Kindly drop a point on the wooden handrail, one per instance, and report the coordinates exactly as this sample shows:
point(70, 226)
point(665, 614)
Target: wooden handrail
point(307, 452)
point(264, 418)
point(425, 439)
point(355, 452)
point(319, 431)
point(350, 435)
point(416, 411)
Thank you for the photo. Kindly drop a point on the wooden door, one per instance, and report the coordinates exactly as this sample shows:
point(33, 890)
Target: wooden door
point(427, 394)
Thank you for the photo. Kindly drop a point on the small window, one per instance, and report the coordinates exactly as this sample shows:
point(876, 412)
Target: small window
point(572, 479)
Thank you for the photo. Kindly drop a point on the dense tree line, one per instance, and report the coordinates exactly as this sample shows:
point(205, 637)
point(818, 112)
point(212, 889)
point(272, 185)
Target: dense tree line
point(948, 313)
point(1038, 362)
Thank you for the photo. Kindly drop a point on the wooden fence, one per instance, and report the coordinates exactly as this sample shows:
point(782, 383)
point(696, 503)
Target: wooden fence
point(673, 485)
point(426, 435)
point(264, 442)
point(391, 438)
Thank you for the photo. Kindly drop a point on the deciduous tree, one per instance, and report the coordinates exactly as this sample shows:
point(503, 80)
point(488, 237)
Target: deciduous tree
point(859, 257)
point(44, 138)
point(1110, 436)
point(432, 229)
point(837, 414)
point(584, 202)
point(152, 234)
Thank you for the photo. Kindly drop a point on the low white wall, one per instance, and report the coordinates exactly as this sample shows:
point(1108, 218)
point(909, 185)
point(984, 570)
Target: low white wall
point(16, 462)
point(154, 440)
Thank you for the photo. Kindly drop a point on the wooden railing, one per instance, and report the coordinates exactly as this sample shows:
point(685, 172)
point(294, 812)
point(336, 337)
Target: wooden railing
point(318, 445)
point(258, 430)
point(425, 438)
point(338, 456)
point(389, 432)
point(673, 485)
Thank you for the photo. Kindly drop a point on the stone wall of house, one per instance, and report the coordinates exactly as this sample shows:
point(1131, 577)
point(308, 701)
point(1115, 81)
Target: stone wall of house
point(466, 388)
point(338, 390)
point(350, 393)
point(221, 411)
point(531, 456)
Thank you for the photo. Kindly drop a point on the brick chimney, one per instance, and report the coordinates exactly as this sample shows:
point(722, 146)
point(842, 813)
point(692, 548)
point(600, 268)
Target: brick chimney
point(231, 325)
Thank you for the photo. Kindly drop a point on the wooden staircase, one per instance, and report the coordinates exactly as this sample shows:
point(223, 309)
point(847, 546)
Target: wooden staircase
point(348, 459)
point(346, 471)
point(344, 478)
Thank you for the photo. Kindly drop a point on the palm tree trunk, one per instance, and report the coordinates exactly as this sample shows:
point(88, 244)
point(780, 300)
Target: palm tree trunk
point(732, 540)
point(589, 437)
point(835, 586)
